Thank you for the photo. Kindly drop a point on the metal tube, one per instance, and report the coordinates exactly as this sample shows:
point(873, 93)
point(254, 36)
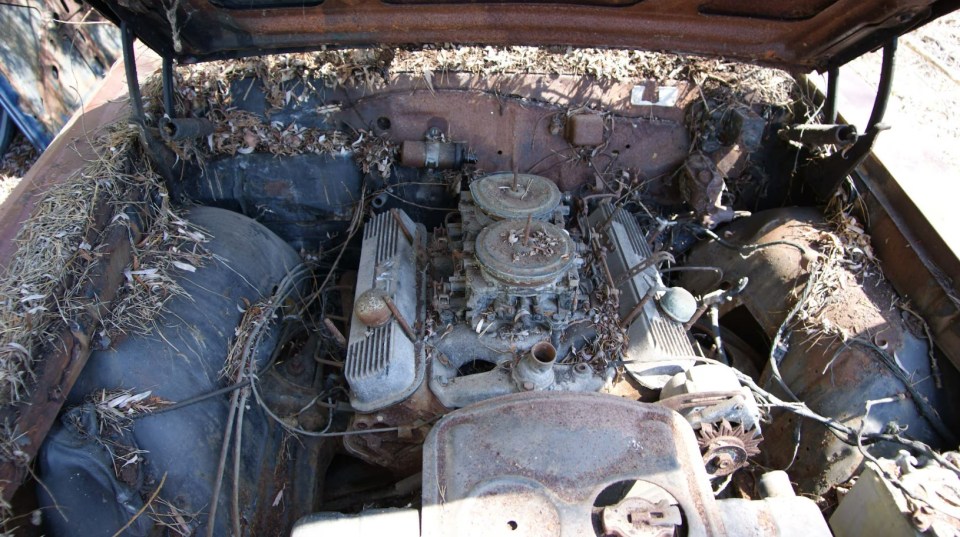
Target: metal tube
point(830, 106)
point(885, 84)
point(184, 128)
point(130, 68)
point(534, 371)
point(819, 134)
point(541, 357)
point(167, 76)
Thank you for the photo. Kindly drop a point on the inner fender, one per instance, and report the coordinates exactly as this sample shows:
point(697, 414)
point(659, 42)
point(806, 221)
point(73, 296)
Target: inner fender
point(180, 359)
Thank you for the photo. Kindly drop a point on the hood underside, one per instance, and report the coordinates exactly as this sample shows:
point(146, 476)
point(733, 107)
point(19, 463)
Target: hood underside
point(791, 34)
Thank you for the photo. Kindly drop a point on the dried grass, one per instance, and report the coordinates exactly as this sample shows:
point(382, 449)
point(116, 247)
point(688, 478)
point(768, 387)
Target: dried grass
point(177, 521)
point(41, 290)
point(116, 409)
point(240, 132)
point(293, 78)
point(750, 83)
point(846, 259)
point(284, 78)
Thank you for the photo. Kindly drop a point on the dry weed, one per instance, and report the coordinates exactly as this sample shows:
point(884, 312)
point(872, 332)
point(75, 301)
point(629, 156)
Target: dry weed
point(41, 289)
point(116, 409)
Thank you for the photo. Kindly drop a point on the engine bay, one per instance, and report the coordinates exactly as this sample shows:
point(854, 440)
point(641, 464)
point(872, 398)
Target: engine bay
point(496, 304)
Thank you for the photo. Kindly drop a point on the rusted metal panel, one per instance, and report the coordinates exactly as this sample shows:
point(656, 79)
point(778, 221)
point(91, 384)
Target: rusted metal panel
point(196, 30)
point(541, 459)
point(834, 360)
point(505, 132)
point(915, 257)
point(69, 152)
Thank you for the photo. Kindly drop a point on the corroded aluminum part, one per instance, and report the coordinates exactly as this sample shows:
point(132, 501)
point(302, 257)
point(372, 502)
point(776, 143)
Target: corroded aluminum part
point(508, 195)
point(525, 253)
point(384, 364)
point(535, 369)
point(659, 346)
point(534, 463)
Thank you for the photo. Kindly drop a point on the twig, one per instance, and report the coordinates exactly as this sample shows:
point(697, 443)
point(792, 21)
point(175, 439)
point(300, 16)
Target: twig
point(237, 446)
point(778, 348)
point(931, 353)
point(224, 449)
point(144, 508)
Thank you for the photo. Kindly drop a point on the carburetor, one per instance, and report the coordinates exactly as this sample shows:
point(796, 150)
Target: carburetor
point(511, 260)
point(506, 291)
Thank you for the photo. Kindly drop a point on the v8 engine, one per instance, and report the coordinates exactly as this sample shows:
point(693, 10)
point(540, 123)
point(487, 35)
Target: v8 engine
point(507, 297)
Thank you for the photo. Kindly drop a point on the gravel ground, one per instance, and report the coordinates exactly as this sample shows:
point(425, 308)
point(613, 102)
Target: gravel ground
point(15, 164)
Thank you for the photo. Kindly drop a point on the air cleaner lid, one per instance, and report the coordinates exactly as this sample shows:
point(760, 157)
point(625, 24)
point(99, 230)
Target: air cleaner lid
point(506, 256)
point(501, 197)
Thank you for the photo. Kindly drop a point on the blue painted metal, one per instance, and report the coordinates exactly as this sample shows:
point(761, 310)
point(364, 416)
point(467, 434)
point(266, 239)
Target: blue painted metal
point(52, 57)
point(38, 135)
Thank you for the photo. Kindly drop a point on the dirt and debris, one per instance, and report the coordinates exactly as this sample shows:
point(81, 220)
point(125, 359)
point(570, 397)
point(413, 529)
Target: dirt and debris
point(293, 78)
point(533, 243)
point(212, 90)
point(612, 339)
point(845, 260)
point(747, 83)
point(284, 78)
point(240, 132)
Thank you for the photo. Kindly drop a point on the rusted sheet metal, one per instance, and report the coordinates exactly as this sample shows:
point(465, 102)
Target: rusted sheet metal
point(832, 362)
point(53, 55)
point(559, 90)
point(504, 132)
point(198, 30)
point(541, 459)
point(915, 257)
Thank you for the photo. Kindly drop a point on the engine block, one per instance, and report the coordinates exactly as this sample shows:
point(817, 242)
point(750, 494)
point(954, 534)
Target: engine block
point(499, 300)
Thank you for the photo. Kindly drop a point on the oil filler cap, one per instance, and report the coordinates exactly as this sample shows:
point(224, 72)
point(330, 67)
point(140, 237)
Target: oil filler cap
point(678, 304)
point(371, 308)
